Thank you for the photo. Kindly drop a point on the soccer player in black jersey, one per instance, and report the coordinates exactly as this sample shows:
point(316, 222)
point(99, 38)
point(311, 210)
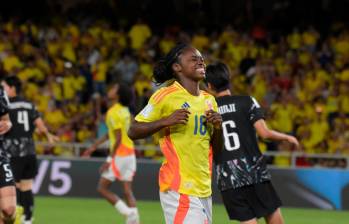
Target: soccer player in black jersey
point(7, 184)
point(242, 174)
point(19, 143)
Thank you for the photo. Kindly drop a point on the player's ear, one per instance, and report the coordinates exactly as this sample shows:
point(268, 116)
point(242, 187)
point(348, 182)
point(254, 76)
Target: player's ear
point(176, 67)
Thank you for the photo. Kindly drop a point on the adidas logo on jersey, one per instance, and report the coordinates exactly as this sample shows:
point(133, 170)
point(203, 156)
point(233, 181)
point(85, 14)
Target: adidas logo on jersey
point(185, 105)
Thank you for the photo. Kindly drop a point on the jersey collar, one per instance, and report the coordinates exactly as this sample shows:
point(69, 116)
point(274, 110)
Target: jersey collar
point(179, 86)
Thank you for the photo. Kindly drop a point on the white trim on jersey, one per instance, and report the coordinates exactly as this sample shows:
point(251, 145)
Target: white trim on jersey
point(255, 103)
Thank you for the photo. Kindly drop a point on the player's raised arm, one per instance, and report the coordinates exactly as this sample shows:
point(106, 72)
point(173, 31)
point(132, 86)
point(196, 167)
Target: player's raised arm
point(40, 124)
point(266, 133)
point(144, 129)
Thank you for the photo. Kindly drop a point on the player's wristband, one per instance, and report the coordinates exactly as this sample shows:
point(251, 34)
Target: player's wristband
point(109, 159)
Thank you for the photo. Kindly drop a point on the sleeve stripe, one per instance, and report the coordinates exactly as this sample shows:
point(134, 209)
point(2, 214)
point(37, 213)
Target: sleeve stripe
point(255, 102)
point(160, 91)
point(164, 93)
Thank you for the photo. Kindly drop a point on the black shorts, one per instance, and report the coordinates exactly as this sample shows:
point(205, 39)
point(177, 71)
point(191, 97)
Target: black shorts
point(24, 168)
point(6, 175)
point(254, 201)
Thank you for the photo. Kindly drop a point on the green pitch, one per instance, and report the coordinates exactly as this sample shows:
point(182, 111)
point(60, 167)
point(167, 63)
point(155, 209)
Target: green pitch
point(49, 210)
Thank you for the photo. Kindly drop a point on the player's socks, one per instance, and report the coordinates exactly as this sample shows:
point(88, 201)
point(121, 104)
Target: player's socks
point(27, 222)
point(133, 218)
point(19, 214)
point(122, 208)
point(134, 210)
point(27, 200)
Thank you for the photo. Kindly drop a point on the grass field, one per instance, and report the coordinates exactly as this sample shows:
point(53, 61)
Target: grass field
point(51, 210)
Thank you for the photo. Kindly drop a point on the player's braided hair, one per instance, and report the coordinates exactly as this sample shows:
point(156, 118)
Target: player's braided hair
point(163, 68)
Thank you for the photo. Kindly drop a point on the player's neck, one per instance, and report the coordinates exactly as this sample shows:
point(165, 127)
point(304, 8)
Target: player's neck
point(113, 102)
point(224, 93)
point(191, 86)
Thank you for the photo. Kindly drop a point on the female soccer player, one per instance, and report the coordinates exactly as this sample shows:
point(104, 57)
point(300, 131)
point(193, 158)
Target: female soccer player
point(188, 124)
point(19, 144)
point(121, 164)
point(7, 184)
point(242, 175)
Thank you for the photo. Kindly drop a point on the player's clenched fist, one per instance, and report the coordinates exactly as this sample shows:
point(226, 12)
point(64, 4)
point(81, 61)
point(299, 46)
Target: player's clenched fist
point(5, 126)
point(180, 116)
point(293, 141)
point(214, 118)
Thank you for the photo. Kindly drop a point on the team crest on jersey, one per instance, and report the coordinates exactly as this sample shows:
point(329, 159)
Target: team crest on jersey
point(209, 105)
point(185, 105)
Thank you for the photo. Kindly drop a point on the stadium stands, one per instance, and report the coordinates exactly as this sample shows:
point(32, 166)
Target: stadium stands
point(301, 78)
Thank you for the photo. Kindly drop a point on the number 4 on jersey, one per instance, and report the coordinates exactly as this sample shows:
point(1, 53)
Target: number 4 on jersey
point(231, 139)
point(22, 118)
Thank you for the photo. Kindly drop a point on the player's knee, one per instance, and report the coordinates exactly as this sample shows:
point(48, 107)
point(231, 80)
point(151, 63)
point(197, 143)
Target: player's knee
point(8, 212)
point(101, 189)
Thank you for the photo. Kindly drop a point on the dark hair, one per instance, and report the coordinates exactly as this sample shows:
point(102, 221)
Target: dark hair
point(218, 76)
point(163, 68)
point(125, 94)
point(14, 81)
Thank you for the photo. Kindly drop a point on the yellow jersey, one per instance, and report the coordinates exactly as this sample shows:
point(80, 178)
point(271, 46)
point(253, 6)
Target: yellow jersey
point(119, 117)
point(187, 166)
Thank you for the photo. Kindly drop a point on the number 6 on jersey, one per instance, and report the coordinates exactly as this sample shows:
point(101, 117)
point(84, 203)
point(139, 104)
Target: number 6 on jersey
point(231, 139)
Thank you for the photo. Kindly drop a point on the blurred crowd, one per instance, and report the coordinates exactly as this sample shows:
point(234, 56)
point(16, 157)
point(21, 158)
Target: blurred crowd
point(300, 78)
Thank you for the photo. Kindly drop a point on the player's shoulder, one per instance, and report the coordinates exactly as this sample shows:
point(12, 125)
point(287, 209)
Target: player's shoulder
point(117, 109)
point(245, 100)
point(20, 102)
point(19, 99)
point(206, 94)
point(236, 98)
point(113, 109)
point(242, 98)
point(164, 92)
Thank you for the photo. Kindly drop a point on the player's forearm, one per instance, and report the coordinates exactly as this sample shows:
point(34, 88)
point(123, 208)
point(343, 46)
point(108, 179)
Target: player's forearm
point(100, 141)
point(144, 129)
point(217, 140)
point(266, 133)
point(40, 125)
point(275, 135)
